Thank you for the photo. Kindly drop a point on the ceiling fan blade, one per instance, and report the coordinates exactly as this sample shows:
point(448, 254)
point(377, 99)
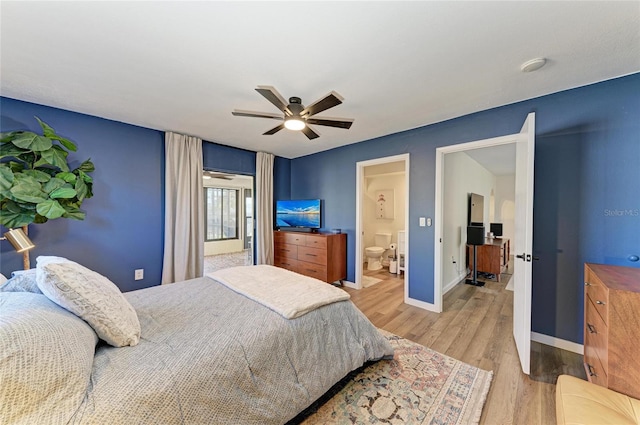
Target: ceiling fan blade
point(272, 95)
point(241, 113)
point(310, 133)
point(332, 122)
point(329, 101)
point(274, 130)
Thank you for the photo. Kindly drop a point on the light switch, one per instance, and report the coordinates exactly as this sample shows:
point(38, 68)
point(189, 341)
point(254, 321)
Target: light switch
point(423, 221)
point(429, 222)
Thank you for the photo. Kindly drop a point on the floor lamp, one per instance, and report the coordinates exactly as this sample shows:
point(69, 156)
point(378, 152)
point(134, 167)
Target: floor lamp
point(21, 243)
point(475, 237)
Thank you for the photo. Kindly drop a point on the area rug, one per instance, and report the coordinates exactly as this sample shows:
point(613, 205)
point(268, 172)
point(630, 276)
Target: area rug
point(368, 281)
point(419, 386)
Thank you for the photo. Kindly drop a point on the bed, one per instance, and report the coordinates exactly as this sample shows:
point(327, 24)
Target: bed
point(207, 353)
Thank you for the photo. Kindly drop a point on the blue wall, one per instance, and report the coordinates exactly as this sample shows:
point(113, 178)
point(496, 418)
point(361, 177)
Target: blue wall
point(124, 227)
point(586, 200)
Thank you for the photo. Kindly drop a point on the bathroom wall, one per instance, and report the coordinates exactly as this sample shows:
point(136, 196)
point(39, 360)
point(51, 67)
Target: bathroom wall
point(378, 178)
point(462, 175)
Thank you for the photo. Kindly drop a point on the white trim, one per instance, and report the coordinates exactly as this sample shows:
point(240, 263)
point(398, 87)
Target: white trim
point(420, 304)
point(558, 343)
point(349, 284)
point(360, 165)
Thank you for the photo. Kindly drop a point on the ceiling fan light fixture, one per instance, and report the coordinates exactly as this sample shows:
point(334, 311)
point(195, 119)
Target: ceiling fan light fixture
point(294, 123)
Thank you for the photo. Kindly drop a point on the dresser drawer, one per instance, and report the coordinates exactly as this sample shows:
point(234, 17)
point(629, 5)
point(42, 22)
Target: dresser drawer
point(286, 251)
point(286, 263)
point(316, 241)
point(312, 255)
point(312, 270)
point(294, 238)
point(593, 367)
point(599, 295)
point(596, 335)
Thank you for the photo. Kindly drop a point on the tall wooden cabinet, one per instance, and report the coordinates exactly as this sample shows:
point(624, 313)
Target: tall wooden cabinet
point(612, 327)
point(319, 255)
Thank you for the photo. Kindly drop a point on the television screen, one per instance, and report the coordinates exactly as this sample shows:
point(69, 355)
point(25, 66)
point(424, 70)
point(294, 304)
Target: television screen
point(298, 213)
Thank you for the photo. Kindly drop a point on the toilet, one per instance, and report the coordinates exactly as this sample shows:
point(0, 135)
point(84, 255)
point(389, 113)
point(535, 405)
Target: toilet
point(374, 253)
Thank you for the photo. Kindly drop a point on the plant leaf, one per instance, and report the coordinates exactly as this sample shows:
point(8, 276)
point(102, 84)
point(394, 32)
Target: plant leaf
point(81, 189)
point(26, 192)
point(50, 209)
point(10, 219)
point(87, 167)
point(56, 157)
point(32, 141)
point(8, 136)
point(40, 176)
point(9, 149)
point(53, 184)
point(63, 192)
point(74, 213)
point(49, 132)
point(40, 219)
point(6, 177)
point(67, 176)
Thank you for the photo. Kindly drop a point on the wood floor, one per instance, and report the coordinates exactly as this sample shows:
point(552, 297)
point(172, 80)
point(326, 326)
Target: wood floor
point(476, 327)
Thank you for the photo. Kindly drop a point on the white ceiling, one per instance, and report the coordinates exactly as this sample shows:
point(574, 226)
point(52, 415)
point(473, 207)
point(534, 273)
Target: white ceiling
point(184, 66)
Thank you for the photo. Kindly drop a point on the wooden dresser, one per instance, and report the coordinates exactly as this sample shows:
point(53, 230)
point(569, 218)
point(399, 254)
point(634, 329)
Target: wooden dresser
point(612, 327)
point(493, 256)
point(319, 255)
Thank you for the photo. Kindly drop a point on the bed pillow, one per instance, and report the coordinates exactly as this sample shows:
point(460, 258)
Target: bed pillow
point(46, 356)
point(90, 296)
point(21, 281)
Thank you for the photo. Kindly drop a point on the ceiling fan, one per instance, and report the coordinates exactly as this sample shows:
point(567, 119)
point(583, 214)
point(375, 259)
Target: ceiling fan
point(296, 115)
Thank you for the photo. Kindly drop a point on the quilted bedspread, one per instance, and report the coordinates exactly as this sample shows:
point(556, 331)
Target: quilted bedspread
point(209, 355)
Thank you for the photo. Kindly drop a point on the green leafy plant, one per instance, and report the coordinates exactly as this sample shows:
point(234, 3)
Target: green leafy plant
point(36, 182)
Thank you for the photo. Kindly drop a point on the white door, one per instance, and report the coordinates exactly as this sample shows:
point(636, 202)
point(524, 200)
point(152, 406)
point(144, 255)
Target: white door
point(523, 241)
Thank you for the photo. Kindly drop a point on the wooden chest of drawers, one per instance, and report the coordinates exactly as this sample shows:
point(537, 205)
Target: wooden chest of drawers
point(612, 327)
point(319, 255)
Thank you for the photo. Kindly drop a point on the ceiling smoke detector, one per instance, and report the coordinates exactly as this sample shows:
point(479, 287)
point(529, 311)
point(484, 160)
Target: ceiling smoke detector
point(533, 65)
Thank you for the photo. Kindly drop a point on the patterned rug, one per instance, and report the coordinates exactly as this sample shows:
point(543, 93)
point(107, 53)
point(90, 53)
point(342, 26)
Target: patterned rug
point(419, 386)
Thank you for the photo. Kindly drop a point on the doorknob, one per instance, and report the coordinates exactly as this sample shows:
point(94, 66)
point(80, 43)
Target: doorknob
point(521, 256)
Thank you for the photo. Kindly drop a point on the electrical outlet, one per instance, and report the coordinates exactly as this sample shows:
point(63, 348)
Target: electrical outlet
point(453, 260)
point(139, 274)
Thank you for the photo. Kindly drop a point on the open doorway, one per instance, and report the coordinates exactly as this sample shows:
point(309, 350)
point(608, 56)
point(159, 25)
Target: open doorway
point(522, 246)
point(382, 209)
point(228, 211)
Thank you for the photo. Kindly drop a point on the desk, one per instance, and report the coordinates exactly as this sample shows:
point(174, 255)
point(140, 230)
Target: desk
point(493, 256)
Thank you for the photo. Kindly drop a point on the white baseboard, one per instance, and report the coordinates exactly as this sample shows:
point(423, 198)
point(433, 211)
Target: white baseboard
point(420, 304)
point(557, 342)
point(449, 286)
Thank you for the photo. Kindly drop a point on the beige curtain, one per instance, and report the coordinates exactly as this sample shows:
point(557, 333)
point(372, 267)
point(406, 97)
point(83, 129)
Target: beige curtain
point(264, 208)
point(184, 209)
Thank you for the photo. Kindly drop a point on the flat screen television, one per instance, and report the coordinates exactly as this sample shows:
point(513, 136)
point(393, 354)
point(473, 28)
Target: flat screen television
point(298, 213)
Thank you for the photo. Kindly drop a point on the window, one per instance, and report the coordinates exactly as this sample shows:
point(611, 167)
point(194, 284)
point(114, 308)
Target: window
point(221, 213)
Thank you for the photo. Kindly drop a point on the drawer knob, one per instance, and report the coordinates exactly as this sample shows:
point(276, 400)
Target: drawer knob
point(600, 302)
point(591, 371)
point(591, 328)
point(587, 284)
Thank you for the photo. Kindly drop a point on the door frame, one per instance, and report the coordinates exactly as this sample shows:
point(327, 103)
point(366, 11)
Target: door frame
point(360, 179)
point(439, 203)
